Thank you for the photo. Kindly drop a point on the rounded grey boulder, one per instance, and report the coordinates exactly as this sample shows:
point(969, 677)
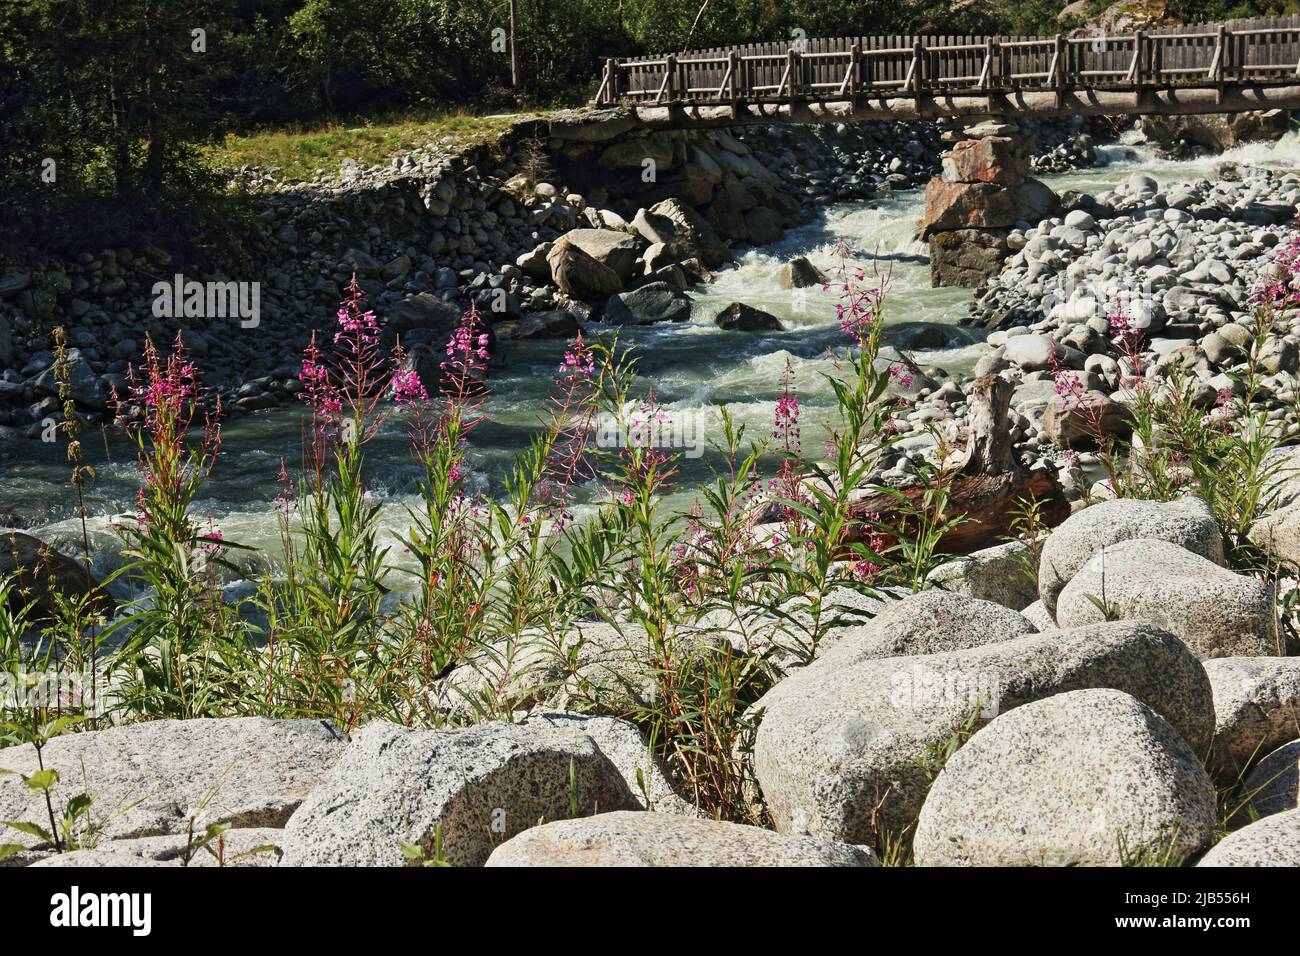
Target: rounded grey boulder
point(930, 622)
point(1273, 841)
point(1215, 612)
point(1091, 778)
point(1186, 522)
point(466, 790)
point(1256, 709)
point(1274, 785)
point(149, 779)
point(999, 574)
point(840, 750)
point(656, 839)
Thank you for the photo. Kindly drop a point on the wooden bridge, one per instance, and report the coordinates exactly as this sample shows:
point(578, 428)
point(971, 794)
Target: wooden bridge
point(1223, 67)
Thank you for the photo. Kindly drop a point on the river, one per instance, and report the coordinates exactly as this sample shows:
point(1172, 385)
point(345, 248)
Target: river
point(693, 367)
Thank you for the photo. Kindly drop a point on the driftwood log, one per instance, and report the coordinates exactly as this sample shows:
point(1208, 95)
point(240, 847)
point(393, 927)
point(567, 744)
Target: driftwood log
point(989, 487)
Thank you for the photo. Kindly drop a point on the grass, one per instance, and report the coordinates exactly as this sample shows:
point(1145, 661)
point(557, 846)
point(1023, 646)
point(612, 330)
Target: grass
point(302, 153)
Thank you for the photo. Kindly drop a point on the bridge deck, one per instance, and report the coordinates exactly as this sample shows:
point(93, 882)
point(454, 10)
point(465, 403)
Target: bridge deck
point(1009, 74)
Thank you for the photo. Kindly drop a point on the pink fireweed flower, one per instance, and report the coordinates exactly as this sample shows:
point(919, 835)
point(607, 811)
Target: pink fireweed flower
point(578, 363)
point(785, 420)
point(407, 388)
point(901, 376)
point(1277, 290)
point(1069, 388)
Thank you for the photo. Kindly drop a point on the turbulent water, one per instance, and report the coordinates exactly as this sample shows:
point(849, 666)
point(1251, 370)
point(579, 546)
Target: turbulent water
point(693, 368)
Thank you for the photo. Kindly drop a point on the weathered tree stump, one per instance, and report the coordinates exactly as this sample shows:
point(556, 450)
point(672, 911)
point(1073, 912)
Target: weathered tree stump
point(988, 488)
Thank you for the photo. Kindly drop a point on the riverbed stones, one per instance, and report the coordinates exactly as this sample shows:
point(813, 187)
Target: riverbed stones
point(1256, 709)
point(1216, 612)
point(931, 622)
point(1186, 522)
point(1272, 841)
point(151, 778)
point(841, 746)
point(1086, 778)
point(676, 224)
point(654, 839)
point(468, 789)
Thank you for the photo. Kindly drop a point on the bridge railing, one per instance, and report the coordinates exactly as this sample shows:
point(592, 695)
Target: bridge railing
point(1214, 55)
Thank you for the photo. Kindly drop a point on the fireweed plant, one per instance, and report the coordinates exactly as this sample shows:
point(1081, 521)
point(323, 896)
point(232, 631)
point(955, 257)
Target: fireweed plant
point(176, 659)
point(325, 618)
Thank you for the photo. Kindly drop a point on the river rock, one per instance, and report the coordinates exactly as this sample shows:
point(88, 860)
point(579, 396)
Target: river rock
point(1278, 534)
point(39, 575)
point(654, 839)
point(966, 258)
point(1186, 522)
point(739, 317)
point(148, 779)
point(930, 622)
point(965, 206)
point(424, 310)
point(1274, 785)
point(652, 302)
point(253, 846)
point(1002, 574)
point(1096, 776)
point(993, 159)
point(674, 223)
point(1272, 841)
point(1082, 421)
point(799, 273)
point(472, 788)
point(1034, 353)
point(618, 251)
point(579, 275)
point(1256, 709)
point(836, 741)
point(1217, 613)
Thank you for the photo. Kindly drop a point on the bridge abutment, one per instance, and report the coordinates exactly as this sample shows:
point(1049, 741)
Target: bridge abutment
point(972, 207)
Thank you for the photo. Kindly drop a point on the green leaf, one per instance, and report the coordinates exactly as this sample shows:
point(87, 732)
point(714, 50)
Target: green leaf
point(31, 829)
point(42, 781)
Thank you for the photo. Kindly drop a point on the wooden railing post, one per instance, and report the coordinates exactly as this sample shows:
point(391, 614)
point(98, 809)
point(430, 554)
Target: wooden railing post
point(1139, 48)
point(792, 72)
point(1220, 58)
point(1058, 62)
point(611, 80)
point(670, 77)
point(852, 76)
point(733, 74)
point(918, 72)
